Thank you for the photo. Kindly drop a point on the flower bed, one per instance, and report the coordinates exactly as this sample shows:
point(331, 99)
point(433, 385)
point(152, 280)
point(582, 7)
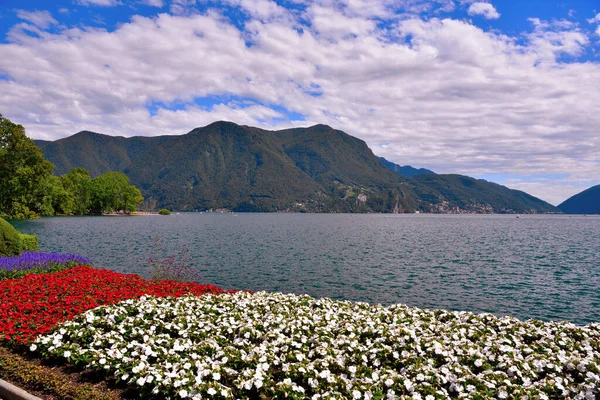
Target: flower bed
point(36, 262)
point(34, 304)
point(286, 346)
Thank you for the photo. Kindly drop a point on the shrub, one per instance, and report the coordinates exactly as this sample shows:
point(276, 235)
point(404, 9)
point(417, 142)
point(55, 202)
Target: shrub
point(49, 380)
point(29, 242)
point(164, 211)
point(176, 268)
point(10, 241)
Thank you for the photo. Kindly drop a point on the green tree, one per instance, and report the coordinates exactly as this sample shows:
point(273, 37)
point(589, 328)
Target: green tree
point(111, 191)
point(77, 187)
point(52, 198)
point(22, 169)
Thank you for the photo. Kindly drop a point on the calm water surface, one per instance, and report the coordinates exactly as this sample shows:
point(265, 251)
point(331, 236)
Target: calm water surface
point(545, 267)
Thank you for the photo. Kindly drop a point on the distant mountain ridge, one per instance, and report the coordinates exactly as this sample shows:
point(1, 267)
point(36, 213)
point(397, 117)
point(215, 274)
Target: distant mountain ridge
point(586, 202)
point(404, 170)
point(242, 168)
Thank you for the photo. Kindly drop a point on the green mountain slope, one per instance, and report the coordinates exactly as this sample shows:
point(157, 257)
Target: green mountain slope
point(404, 170)
point(315, 169)
point(221, 165)
point(441, 193)
point(96, 152)
point(586, 202)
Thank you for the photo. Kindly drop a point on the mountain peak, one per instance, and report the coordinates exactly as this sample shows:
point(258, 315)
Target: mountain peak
point(321, 127)
point(586, 202)
point(222, 123)
point(88, 133)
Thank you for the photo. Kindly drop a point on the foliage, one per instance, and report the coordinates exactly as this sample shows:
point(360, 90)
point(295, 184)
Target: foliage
point(176, 268)
point(164, 211)
point(77, 185)
point(111, 191)
point(276, 346)
point(10, 241)
point(28, 242)
point(35, 262)
point(22, 171)
point(28, 189)
point(34, 304)
point(18, 369)
point(586, 202)
point(53, 197)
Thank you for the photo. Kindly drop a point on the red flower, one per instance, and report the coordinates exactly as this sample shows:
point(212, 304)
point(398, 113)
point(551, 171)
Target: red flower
point(33, 305)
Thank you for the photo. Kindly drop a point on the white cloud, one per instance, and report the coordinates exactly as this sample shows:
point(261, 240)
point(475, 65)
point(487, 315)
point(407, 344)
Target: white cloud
point(41, 19)
point(553, 192)
point(596, 19)
point(153, 3)
point(486, 10)
point(332, 24)
point(442, 93)
point(263, 10)
point(180, 7)
point(102, 3)
point(556, 38)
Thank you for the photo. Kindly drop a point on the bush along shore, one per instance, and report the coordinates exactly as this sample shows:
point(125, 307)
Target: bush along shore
point(168, 339)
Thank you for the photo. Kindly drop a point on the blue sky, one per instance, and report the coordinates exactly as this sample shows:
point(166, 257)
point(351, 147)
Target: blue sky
point(501, 90)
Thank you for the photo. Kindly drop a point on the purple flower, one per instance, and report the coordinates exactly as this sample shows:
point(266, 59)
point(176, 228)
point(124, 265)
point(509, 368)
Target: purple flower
point(36, 260)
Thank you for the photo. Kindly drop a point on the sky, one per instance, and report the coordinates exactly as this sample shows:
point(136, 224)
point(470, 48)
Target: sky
point(502, 90)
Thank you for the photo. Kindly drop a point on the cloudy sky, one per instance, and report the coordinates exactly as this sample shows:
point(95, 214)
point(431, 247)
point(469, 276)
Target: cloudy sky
point(502, 90)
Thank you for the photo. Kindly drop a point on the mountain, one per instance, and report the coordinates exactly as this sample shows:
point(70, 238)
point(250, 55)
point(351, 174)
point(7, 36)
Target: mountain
point(242, 168)
point(446, 192)
point(586, 202)
point(96, 152)
point(405, 170)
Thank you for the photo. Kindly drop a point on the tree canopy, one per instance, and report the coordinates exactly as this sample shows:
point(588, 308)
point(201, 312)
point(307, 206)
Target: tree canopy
point(112, 191)
point(28, 188)
point(23, 170)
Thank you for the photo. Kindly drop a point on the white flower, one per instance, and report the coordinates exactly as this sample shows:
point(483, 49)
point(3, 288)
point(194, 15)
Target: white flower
point(321, 342)
point(356, 394)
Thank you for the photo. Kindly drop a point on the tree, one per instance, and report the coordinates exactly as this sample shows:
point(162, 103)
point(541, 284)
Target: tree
point(111, 191)
point(22, 169)
point(52, 198)
point(77, 186)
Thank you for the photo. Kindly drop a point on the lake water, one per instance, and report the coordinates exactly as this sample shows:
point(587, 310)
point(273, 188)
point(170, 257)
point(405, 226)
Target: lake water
point(545, 267)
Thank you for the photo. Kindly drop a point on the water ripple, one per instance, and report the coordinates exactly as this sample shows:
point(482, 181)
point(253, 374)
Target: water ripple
point(545, 267)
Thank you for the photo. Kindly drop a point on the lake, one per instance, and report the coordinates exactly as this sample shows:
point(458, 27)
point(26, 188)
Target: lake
point(534, 266)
